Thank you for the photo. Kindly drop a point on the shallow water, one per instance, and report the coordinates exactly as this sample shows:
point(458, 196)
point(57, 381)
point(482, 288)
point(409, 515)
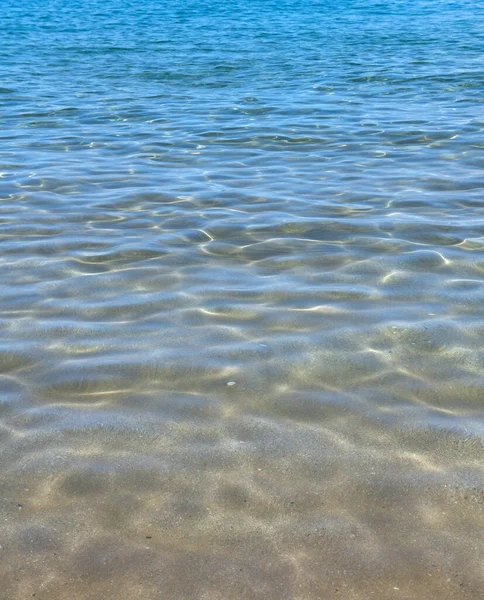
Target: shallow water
point(242, 259)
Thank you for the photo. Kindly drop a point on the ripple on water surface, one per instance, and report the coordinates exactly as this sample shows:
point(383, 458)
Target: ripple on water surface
point(242, 287)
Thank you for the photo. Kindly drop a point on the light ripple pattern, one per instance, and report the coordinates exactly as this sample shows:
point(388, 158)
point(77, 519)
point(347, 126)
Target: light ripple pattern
point(241, 279)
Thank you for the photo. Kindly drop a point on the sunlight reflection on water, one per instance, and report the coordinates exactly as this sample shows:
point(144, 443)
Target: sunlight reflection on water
point(242, 287)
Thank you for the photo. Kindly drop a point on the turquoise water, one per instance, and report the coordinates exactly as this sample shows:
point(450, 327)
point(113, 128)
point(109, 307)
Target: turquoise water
point(241, 279)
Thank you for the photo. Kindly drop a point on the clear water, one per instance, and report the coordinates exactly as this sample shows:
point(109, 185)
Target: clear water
point(241, 278)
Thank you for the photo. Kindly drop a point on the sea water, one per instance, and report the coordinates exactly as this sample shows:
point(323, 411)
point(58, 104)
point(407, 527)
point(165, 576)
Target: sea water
point(242, 299)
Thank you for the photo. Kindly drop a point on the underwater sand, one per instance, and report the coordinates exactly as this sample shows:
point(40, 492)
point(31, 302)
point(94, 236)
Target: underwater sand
point(241, 300)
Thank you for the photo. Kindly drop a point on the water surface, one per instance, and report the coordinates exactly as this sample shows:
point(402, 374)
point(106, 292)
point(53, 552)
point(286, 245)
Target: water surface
point(241, 278)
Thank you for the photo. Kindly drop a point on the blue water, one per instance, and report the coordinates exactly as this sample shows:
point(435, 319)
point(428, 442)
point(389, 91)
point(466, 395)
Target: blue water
point(241, 282)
